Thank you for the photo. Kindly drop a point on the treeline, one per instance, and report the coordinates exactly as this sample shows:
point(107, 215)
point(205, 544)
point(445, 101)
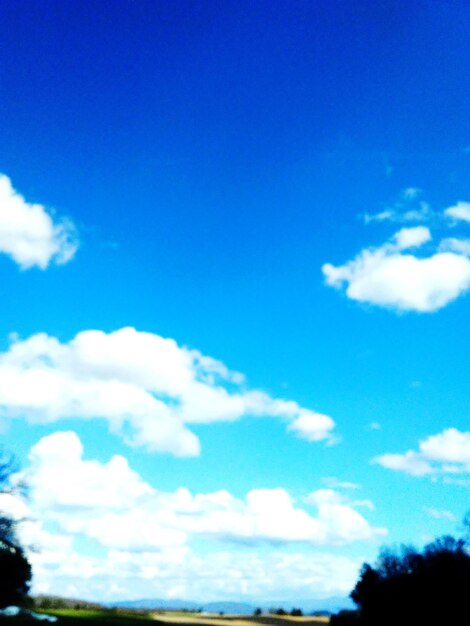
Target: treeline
point(411, 587)
point(280, 611)
point(57, 602)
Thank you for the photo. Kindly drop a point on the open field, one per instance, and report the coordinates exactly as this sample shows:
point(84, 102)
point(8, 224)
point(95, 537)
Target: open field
point(206, 619)
point(72, 617)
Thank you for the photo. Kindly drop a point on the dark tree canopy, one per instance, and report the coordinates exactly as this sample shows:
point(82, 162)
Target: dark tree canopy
point(15, 574)
point(15, 570)
point(409, 587)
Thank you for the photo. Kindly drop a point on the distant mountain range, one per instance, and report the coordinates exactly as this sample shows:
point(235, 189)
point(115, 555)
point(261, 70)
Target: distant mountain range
point(238, 608)
point(330, 605)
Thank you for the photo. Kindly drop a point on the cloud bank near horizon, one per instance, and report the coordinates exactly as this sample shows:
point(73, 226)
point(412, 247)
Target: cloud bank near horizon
point(145, 535)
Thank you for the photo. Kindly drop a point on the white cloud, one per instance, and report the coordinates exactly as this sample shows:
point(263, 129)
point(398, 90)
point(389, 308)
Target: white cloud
point(410, 462)
point(110, 503)
point(447, 452)
point(460, 211)
point(13, 506)
point(28, 232)
point(60, 476)
point(450, 446)
point(147, 387)
point(412, 237)
point(389, 278)
point(311, 426)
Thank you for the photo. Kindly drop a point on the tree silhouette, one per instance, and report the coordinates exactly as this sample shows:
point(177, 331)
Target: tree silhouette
point(296, 612)
point(15, 570)
point(409, 587)
point(15, 574)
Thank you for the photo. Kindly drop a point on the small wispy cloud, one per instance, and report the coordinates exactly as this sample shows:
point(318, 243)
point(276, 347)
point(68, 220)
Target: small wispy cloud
point(411, 193)
point(440, 514)
point(453, 244)
point(460, 482)
point(335, 483)
point(408, 207)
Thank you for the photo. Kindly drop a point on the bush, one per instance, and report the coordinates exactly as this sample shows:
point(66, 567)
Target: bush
point(279, 611)
point(345, 618)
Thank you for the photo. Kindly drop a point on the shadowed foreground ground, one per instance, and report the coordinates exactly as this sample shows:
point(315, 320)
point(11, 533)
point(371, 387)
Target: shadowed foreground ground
point(68, 617)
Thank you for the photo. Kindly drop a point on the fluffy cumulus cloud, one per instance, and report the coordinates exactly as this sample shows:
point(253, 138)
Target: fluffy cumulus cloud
point(410, 271)
point(394, 276)
point(447, 452)
point(29, 234)
point(111, 504)
point(147, 387)
point(138, 537)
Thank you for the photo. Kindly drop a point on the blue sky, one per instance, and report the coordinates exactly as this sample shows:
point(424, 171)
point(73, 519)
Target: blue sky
point(235, 257)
